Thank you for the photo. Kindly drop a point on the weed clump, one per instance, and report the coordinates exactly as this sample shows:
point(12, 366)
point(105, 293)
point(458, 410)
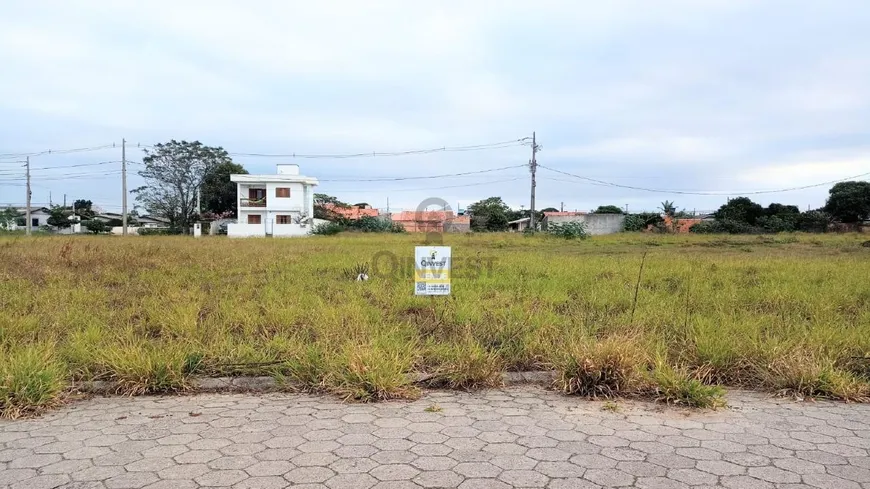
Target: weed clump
point(31, 380)
point(604, 368)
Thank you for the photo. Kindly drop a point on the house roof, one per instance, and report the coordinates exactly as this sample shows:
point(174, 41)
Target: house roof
point(566, 213)
point(153, 218)
point(278, 178)
point(429, 216)
point(517, 221)
point(23, 210)
point(352, 212)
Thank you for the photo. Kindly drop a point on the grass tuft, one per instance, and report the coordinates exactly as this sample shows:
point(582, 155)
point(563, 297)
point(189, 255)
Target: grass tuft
point(146, 368)
point(374, 372)
point(606, 368)
point(31, 380)
point(802, 375)
point(677, 386)
point(467, 366)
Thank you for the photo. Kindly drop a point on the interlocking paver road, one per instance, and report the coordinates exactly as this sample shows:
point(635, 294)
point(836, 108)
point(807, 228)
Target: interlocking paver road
point(519, 437)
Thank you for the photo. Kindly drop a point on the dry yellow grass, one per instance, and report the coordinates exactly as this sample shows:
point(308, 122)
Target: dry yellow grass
point(779, 313)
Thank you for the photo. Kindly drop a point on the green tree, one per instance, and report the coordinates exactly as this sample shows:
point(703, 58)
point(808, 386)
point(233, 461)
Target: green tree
point(84, 208)
point(96, 226)
point(849, 202)
point(8, 217)
point(322, 204)
point(173, 173)
point(609, 209)
point(59, 216)
point(489, 215)
point(741, 209)
point(218, 192)
point(669, 208)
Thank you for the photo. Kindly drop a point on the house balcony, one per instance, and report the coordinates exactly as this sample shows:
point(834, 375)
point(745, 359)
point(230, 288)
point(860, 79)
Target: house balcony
point(253, 202)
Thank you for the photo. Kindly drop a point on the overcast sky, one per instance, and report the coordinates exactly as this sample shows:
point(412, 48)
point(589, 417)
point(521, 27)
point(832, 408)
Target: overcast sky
point(711, 96)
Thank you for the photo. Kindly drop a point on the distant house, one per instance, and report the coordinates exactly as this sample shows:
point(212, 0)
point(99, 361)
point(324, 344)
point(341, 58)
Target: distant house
point(352, 212)
point(38, 217)
point(148, 221)
point(519, 225)
point(274, 205)
point(432, 221)
point(595, 223)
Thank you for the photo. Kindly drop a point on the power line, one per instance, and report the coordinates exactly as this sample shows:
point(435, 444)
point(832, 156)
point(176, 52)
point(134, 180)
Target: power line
point(430, 188)
point(689, 192)
point(475, 147)
point(2, 172)
point(396, 179)
point(56, 151)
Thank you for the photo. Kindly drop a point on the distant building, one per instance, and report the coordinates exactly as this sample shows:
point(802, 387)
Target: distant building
point(432, 222)
point(352, 212)
point(595, 223)
point(274, 205)
point(519, 225)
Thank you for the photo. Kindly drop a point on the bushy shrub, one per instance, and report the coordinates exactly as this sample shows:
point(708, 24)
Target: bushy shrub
point(726, 226)
point(776, 224)
point(96, 226)
point(369, 224)
point(327, 229)
point(639, 222)
point(156, 231)
point(814, 221)
point(568, 230)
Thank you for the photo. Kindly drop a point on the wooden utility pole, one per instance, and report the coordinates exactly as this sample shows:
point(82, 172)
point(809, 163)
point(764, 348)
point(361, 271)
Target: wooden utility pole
point(27, 211)
point(124, 187)
point(533, 166)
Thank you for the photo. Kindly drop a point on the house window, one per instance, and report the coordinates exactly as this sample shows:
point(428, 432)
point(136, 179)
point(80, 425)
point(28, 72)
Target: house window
point(283, 192)
point(34, 222)
point(283, 219)
point(254, 219)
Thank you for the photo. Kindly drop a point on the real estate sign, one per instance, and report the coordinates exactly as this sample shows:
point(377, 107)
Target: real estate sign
point(432, 270)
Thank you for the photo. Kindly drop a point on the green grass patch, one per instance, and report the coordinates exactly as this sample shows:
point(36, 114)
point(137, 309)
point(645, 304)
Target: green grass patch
point(31, 380)
point(791, 316)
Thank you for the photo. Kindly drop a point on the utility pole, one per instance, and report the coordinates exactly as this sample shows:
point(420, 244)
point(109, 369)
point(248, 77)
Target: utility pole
point(562, 207)
point(533, 166)
point(64, 201)
point(124, 186)
point(27, 211)
point(198, 200)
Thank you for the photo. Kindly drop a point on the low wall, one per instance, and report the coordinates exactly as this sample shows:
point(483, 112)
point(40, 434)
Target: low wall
point(596, 224)
point(236, 230)
point(290, 230)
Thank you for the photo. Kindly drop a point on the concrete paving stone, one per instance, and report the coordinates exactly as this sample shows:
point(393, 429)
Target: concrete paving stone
point(620, 453)
point(671, 461)
point(221, 478)
point(692, 477)
point(95, 474)
point(744, 482)
point(641, 469)
point(11, 476)
point(609, 477)
point(394, 457)
point(30, 460)
point(188, 471)
point(517, 462)
point(560, 469)
point(572, 483)
point(477, 469)
point(351, 481)
point(593, 461)
point(42, 482)
point(657, 482)
point(315, 459)
point(232, 463)
point(356, 451)
point(434, 463)
point(774, 474)
point(394, 472)
point(262, 483)
point(131, 480)
point(66, 467)
point(438, 479)
point(270, 468)
point(483, 484)
point(393, 444)
point(353, 465)
point(826, 481)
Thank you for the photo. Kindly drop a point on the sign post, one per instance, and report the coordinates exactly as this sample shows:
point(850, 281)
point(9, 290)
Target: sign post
point(432, 270)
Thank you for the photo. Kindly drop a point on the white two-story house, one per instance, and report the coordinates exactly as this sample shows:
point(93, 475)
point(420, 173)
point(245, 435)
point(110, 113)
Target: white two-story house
point(274, 205)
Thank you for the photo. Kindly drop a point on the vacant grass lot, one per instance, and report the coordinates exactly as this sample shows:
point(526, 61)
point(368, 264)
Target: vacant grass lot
point(788, 313)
